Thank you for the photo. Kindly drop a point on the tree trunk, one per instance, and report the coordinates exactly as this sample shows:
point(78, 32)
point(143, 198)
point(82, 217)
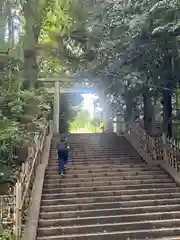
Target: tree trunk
point(167, 112)
point(32, 28)
point(64, 109)
point(30, 69)
point(169, 85)
point(3, 18)
point(32, 31)
point(129, 109)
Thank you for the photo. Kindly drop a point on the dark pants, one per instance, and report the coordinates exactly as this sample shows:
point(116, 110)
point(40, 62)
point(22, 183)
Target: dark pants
point(63, 160)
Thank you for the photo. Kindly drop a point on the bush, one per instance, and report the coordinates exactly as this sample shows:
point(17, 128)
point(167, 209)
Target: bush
point(18, 108)
point(6, 235)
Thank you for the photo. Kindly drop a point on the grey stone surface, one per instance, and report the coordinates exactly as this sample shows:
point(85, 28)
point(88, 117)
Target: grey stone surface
point(34, 206)
point(108, 192)
point(173, 173)
point(141, 152)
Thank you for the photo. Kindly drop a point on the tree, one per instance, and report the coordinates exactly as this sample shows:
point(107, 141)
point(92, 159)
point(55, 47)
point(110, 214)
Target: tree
point(130, 46)
point(82, 119)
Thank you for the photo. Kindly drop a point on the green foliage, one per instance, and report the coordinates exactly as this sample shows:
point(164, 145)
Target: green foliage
point(7, 174)
point(68, 112)
point(20, 102)
point(82, 119)
point(13, 102)
point(123, 47)
point(6, 235)
point(127, 46)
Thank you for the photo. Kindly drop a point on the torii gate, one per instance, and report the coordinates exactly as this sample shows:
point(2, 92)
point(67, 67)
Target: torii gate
point(70, 85)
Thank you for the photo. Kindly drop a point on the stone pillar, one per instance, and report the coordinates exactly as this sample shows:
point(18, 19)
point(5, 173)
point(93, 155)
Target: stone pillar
point(105, 119)
point(108, 122)
point(118, 124)
point(115, 125)
point(110, 125)
point(56, 107)
point(121, 124)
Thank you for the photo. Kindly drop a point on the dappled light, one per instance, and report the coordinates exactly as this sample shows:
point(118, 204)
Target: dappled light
point(86, 120)
point(96, 68)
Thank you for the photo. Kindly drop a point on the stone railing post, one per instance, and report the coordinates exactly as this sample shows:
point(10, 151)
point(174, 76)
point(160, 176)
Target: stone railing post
point(17, 212)
point(164, 140)
point(154, 148)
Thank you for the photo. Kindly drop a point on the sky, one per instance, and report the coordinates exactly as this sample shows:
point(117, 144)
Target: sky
point(88, 102)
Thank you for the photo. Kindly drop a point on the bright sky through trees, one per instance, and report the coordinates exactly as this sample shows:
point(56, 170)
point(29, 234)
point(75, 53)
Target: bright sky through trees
point(88, 102)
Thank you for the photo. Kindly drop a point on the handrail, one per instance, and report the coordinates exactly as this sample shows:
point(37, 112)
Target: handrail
point(153, 146)
point(12, 205)
point(28, 183)
point(158, 147)
point(32, 169)
point(22, 201)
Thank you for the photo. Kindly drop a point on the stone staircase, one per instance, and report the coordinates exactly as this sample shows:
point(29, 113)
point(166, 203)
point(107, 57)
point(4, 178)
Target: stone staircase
point(108, 192)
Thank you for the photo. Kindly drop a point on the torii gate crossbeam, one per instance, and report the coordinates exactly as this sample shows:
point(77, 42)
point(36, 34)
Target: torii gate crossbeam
point(70, 86)
point(64, 84)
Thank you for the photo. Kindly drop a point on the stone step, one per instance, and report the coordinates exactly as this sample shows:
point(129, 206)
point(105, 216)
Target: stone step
point(100, 160)
point(86, 163)
point(82, 152)
point(109, 219)
point(100, 170)
point(110, 172)
point(88, 206)
point(113, 227)
point(99, 156)
point(104, 178)
point(95, 140)
point(104, 165)
point(129, 197)
point(101, 147)
point(106, 188)
point(167, 238)
point(100, 166)
point(111, 211)
point(97, 143)
point(60, 183)
point(96, 154)
point(88, 168)
point(113, 172)
point(111, 193)
point(133, 234)
point(106, 185)
point(75, 148)
point(93, 152)
point(108, 192)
